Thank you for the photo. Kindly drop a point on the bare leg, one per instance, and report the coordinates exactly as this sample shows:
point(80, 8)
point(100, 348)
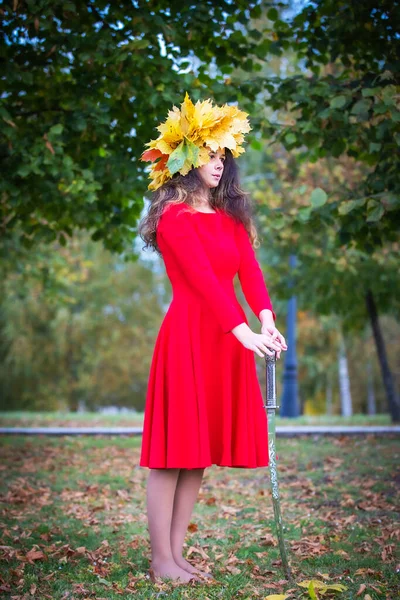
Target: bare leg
point(187, 489)
point(161, 486)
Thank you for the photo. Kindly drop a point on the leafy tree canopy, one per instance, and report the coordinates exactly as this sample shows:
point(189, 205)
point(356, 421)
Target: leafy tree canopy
point(86, 83)
point(83, 87)
point(346, 101)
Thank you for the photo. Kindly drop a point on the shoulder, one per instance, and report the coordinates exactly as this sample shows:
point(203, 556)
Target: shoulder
point(242, 235)
point(174, 214)
point(239, 227)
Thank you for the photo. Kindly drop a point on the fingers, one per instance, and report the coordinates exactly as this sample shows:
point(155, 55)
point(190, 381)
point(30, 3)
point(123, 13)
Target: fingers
point(272, 343)
point(276, 340)
point(277, 335)
point(282, 340)
point(257, 351)
point(266, 344)
point(268, 351)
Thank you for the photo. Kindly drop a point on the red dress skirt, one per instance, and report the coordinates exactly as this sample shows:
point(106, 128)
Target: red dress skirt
point(204, 404)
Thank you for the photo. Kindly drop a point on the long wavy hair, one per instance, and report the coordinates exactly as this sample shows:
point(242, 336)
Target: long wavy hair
point(227, 196)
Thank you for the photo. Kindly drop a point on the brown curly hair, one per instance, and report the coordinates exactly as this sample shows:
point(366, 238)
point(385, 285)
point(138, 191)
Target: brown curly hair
point(227, 196)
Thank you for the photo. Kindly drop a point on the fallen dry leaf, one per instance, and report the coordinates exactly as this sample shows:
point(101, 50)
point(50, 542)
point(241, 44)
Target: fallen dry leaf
point(233, 570)
point(194, 549)
point(361, 589)
point(33, 555)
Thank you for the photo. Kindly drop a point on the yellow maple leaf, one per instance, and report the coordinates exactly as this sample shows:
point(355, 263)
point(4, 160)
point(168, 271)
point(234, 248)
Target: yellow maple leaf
point(171, 130)
point(322, 587)
point(164, 147)
point(158, 178)
point(220, 138)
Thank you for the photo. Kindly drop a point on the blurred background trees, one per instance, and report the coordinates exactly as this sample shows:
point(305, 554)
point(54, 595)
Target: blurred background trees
point(77, 326)
point(84, 86)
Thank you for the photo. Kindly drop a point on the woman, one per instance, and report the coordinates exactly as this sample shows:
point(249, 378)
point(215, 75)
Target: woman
point(204, 404)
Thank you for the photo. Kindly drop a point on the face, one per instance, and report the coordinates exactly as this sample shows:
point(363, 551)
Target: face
point(211, 173)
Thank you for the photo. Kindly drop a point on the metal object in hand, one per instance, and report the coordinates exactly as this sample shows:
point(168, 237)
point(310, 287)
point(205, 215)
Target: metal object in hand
point(270, 363)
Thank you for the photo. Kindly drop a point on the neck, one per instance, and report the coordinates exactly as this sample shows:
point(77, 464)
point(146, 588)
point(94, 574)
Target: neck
point(205, 200)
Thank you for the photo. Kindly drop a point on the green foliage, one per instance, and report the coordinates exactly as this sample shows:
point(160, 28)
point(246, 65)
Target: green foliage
point(318, 197)
point(76, 325)
point(84, 86)
point(345, 101)
point(332, 274)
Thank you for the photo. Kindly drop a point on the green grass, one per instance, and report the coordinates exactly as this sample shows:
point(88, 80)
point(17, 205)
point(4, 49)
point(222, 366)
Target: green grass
point(73, 520)
point(43, 419)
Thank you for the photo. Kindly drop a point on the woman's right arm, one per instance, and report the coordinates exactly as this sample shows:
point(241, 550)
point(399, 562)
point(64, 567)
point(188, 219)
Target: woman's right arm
point(180, 236)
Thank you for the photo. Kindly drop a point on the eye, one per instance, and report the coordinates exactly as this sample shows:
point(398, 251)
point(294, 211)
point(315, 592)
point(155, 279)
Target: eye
point(213, 155)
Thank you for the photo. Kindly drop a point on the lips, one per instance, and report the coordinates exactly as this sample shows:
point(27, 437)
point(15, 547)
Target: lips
point(217, 176)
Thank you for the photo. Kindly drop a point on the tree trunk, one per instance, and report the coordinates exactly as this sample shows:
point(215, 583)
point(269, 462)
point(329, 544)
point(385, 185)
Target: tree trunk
point(388, 381)
point(71, 368)
point(371, 401)
point(328, 395)
point(344, 382)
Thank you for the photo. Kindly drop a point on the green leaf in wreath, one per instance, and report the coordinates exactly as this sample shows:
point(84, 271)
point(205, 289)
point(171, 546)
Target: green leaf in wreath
point(186, 152)
point(177, 158)
point(192, 152)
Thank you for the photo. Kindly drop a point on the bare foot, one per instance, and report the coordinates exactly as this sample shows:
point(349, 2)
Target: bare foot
point(184, 564)
point(169, 569)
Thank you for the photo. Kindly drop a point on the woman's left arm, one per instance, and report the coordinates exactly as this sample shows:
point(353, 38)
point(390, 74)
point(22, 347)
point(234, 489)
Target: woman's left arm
point(254, 287)
point(252, 279)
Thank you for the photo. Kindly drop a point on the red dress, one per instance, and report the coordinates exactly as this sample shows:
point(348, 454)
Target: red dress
point(204, 404)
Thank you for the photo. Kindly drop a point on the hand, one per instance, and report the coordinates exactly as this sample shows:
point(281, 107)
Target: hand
point(258, 342)
point(276, 336)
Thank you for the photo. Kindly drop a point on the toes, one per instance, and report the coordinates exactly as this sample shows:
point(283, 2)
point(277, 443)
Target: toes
point(193, 579)
point(159, 579)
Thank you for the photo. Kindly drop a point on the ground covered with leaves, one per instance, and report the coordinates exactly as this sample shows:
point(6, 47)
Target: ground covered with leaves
point(73, 522)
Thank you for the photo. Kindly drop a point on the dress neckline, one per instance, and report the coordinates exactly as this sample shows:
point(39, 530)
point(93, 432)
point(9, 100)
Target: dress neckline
point(203, 212)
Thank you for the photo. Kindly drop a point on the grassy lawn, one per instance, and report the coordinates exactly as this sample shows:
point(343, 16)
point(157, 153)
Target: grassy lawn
point(86, 419)
point(73, 521)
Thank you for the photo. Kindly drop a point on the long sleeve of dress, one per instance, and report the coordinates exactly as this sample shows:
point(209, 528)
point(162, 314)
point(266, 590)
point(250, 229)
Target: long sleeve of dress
point(181, 238)
point(250, 275)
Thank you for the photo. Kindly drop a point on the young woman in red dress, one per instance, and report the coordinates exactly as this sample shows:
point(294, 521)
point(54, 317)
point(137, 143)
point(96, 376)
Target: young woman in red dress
point(204, 404)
